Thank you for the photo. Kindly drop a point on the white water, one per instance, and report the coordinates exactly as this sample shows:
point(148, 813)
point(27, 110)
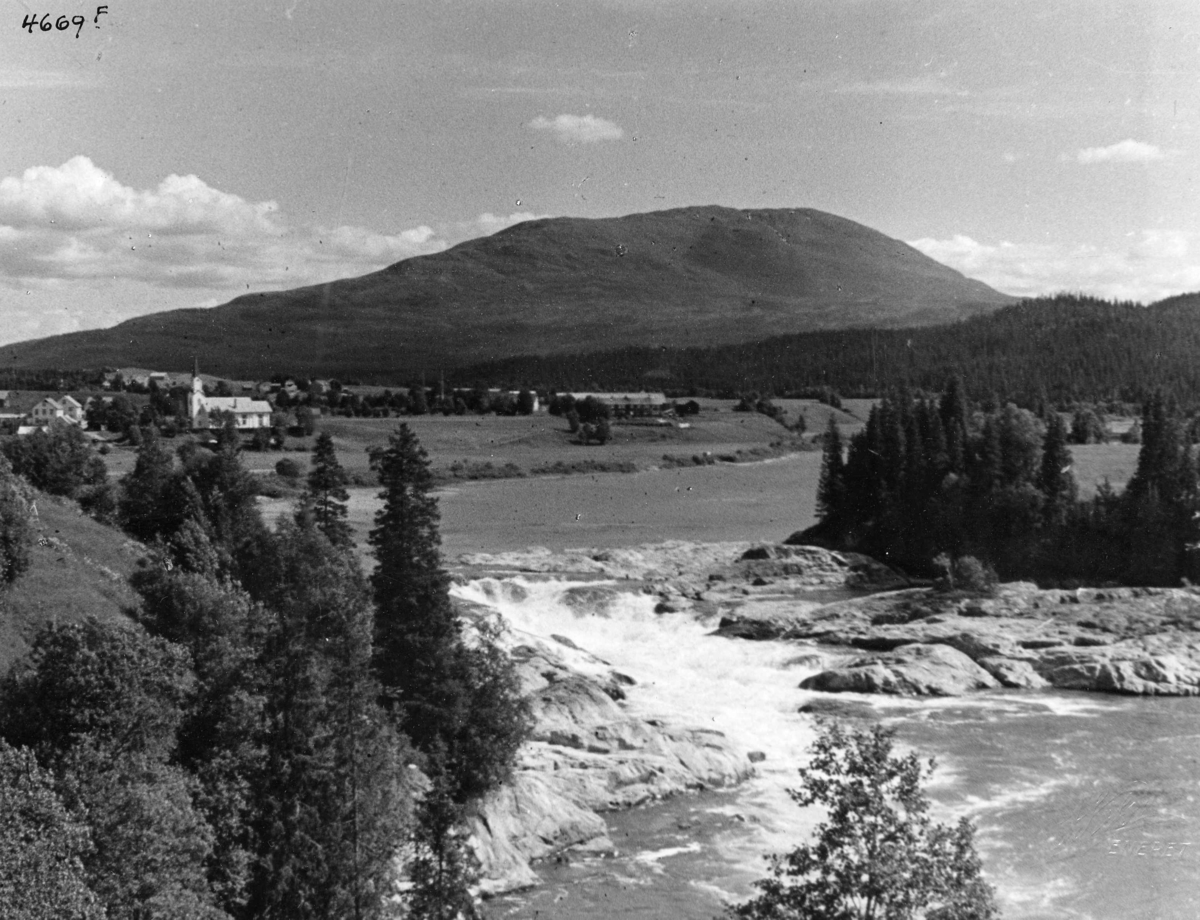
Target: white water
point(1024, 766)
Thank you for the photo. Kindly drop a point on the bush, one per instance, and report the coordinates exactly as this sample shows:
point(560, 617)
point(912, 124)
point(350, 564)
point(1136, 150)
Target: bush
point(877, 854)
point(287, 468)
point(966, 574)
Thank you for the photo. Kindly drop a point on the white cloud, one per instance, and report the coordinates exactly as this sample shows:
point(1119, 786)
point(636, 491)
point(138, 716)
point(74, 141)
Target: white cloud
point(1126, 151)
point(1153, 265)
point(579, 129)
point(81, 250)
point(488, 223)
point(76, 221)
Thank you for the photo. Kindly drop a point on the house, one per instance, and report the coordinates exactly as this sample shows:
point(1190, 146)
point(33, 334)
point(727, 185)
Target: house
point(67, 409)
point(628, 405)
point(206, 411)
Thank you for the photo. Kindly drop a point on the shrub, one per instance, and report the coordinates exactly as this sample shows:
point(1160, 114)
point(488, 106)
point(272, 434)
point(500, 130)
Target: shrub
point(287, 468)
point(877, 854)
point(967, 574)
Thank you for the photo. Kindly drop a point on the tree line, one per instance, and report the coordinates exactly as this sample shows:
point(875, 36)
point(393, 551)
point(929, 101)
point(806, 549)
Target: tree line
point(273, 733)
point(931, 476)
point(1061, 349)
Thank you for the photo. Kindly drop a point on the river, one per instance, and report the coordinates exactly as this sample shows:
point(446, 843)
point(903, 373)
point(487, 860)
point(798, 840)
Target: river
point(1087, 805)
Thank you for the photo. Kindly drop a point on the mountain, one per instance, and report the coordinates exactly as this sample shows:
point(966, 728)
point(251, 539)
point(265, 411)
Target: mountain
point(691, 276)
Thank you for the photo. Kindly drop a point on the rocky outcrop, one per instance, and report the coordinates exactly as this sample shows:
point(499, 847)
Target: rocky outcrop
point(911, 670)
point(586, 755)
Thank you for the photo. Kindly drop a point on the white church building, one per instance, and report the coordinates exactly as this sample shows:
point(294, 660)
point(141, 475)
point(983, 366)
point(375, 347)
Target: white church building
point(206, 411)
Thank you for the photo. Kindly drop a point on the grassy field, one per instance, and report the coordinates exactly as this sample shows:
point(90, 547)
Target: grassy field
point(748, 501)
point(530, 442)
point(79, 568)
point(1096, 462)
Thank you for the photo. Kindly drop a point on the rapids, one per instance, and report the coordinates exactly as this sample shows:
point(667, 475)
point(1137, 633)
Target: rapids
point(1086, 805)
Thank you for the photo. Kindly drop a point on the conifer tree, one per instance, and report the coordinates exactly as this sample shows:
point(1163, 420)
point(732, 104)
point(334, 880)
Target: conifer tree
point(831, 489)
point(326, 496)
point(460, 705)
point(1055, 480)
point(332, 800)
point(144, 512)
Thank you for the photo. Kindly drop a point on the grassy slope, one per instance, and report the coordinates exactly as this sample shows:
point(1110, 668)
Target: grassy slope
point(685, 277)
point(79, 568)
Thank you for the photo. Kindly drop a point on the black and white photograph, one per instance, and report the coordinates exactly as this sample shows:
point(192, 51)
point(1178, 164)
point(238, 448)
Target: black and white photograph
point(585, 459)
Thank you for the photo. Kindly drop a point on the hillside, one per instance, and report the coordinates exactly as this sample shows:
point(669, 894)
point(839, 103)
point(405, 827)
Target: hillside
point(686, 277)
point(80, 568)
point(1063, 348)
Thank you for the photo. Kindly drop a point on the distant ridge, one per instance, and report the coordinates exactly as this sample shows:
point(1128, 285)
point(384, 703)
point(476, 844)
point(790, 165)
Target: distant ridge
point(690, 276)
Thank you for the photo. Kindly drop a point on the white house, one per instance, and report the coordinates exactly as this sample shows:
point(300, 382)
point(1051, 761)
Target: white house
point(205, 411)
point(67, 409)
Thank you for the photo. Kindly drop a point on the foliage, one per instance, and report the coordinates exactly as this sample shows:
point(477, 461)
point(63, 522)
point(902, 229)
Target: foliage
point(16, 530)
point(326, 496)
point(458, 704)
point(332, 802)
point(1064, 348)
point(100, 706)
point(58, 460)
point(442, 866)
point(41, 846)
point(877, 854)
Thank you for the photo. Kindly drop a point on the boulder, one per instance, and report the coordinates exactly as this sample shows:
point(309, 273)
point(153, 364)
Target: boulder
point(911, 670)
point(528, 819)
point(1013, 673)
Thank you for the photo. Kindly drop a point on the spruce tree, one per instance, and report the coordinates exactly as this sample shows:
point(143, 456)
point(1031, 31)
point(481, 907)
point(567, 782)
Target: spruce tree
point(1055, 481)
point(142, 508)
point(332, 798)
point(326, 496)
point(831, 489)
point(460, 704)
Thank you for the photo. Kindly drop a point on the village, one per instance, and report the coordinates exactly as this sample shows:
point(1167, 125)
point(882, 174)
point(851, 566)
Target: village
point(173, 403)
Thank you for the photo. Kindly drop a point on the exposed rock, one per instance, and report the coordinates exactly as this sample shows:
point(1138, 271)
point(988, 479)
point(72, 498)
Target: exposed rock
point(911, 670)
point(1013, 673)
point(838, 708)
point(528, 819)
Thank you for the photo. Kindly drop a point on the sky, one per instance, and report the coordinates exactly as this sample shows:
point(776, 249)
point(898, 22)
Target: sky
point(163, 155)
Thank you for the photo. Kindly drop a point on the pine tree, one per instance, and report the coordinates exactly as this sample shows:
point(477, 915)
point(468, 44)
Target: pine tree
point(326, 496)
point(831, 489)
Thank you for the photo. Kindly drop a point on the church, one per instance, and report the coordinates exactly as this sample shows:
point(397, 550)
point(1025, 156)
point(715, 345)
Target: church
point(207, 411)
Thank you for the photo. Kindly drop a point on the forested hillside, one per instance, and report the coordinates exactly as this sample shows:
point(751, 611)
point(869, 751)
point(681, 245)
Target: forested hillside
point(1063, 349)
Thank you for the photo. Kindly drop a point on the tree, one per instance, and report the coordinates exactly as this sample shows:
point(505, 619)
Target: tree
point(41, 846)
point(877, 856)
point(58, 460)
point(332, 800)
point(100, 706)
point(326, 496)
point(525, 400)
point(831, 489)
point(143, 511)
point(16, 531)
point(464, 712)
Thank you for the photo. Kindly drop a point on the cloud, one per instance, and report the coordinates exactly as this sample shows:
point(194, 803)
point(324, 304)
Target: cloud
point(488, 223)
point(1153, 265)
point(1126, 151)
point(579, 129)
point(77, 222)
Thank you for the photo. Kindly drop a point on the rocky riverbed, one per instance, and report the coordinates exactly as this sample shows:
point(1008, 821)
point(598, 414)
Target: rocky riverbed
point(857, 627)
